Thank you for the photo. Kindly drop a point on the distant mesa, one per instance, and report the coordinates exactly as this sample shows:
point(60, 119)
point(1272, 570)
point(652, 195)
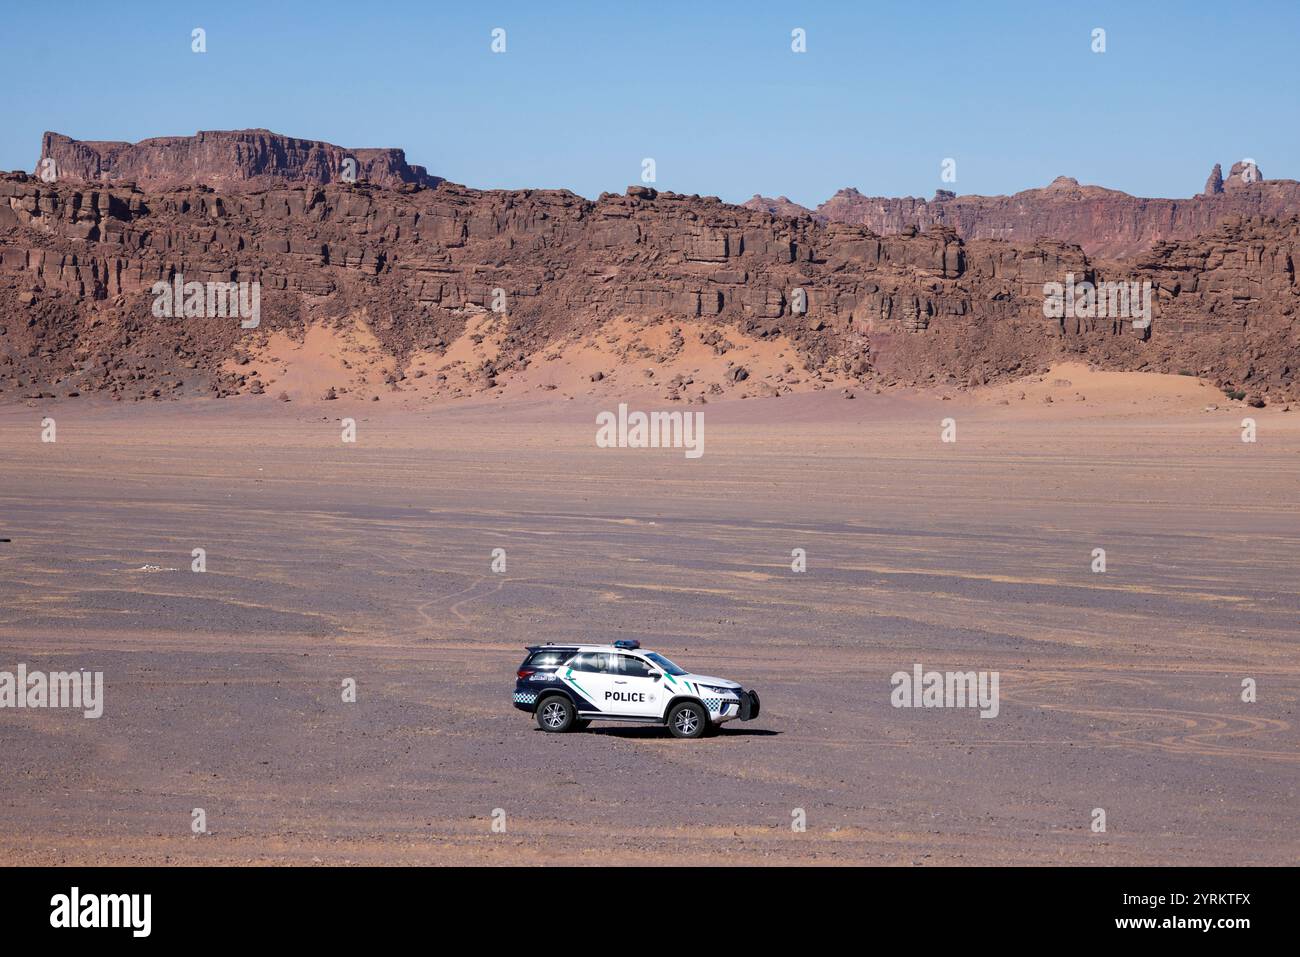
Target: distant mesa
point(781, 206)
point(1107, 223)
point(227, 161)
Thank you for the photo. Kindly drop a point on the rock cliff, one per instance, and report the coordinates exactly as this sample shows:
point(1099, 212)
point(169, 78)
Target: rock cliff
point(421, 263)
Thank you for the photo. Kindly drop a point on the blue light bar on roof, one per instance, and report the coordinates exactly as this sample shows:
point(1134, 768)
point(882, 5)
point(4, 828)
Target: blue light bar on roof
point(628, 643)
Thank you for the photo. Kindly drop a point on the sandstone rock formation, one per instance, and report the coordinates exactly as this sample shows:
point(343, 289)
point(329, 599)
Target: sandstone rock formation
point(1244, 173)
point(226, 161)
point(421, 264)
point(781, 206)
point(1214, 185)
point(1105, 222)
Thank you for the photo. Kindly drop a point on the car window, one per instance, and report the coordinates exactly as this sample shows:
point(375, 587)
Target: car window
point(607, 663)
point(631, 667)
point(547, 659)
point(588, 661)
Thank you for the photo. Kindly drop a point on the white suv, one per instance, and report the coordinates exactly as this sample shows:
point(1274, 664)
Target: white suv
point(567, 686)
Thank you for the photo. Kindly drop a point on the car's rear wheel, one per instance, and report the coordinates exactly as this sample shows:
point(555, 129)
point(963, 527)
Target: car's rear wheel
point(687, 720)
point(555, 713)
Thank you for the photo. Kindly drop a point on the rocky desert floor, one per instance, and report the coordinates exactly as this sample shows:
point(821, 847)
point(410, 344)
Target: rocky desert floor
point(371, 560)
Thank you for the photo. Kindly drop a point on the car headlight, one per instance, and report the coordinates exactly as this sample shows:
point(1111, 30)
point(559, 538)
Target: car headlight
point(721, 691)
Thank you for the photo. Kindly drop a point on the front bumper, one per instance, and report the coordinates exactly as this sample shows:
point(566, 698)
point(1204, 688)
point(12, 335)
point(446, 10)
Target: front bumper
point(744, 707)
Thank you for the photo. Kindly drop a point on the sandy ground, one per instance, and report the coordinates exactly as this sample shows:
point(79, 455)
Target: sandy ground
point(626, 358)
point(328, 561)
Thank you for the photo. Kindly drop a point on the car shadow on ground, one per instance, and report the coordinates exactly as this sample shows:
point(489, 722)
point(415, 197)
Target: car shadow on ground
point(658, 731)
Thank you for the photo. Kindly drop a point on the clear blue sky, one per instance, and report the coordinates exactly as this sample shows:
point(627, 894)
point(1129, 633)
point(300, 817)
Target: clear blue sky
point(710, 90)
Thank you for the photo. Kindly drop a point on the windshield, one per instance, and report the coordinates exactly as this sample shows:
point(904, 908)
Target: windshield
point(664, 663)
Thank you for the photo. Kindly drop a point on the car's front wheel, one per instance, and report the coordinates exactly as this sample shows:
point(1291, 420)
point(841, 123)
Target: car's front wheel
point(687, 720)
point(555, 713)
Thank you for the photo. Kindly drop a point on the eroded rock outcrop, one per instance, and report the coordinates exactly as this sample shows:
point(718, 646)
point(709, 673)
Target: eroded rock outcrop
point(1104, 222)
point(226, 161)
point(78, 264)
point(780, 206)
point(1214, 184)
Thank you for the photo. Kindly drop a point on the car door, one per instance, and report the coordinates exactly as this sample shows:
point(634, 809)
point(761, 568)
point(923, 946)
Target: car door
point(587, 675)
point(631, 689)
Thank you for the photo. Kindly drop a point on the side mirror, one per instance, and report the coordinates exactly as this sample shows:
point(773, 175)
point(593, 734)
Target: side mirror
point(655, 676)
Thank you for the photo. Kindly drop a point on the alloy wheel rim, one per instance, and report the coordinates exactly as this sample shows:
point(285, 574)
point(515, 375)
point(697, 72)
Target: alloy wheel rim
point(554, 715)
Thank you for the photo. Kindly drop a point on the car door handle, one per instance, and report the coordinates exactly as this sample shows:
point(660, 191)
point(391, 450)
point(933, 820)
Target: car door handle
point(620, 682)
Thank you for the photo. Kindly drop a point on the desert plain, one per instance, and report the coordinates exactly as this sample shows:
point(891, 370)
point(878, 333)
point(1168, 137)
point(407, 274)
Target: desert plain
point(326, 561)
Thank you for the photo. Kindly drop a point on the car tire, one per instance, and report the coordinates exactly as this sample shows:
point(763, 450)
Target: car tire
point(688, 720)
point(555, 713)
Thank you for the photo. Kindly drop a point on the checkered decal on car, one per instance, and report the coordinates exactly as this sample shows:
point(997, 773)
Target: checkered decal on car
point(713, 704)
point(525, 697)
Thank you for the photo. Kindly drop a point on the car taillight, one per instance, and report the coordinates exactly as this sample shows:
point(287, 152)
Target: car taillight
point(525, 672)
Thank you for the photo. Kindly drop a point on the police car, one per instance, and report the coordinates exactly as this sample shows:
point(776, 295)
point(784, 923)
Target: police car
point(568, 686)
